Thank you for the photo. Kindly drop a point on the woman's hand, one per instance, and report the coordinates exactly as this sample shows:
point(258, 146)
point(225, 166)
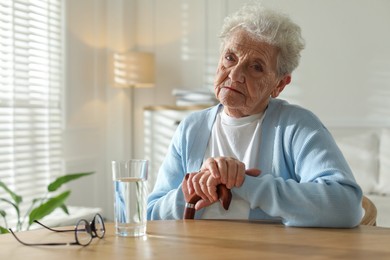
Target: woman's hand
point(228, 170)
point(200, 188)
point(204, 183)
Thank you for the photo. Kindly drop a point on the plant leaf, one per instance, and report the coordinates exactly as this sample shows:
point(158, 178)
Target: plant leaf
point(13, 204)
point(64, 179)
point(48, 207)
point(3, 230)
point(65, 209)
point(17, 199)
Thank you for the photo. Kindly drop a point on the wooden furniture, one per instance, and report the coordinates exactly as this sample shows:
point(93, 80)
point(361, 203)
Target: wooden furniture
point(160, 123)
point(210, 239)
point(369, 217)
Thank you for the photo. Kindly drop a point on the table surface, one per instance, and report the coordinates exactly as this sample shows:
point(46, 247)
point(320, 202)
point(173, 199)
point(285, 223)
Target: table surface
point(209, 239)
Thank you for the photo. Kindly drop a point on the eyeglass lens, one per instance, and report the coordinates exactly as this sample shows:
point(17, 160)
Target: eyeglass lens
point(98, 226)
point(83, 232)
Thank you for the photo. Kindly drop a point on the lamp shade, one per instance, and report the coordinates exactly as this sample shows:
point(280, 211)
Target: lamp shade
point(133, 69)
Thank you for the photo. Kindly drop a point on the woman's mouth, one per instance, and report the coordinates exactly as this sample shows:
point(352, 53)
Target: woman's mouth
point(232, 89)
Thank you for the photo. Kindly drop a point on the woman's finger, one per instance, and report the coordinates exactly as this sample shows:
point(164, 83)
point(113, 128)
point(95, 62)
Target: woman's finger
point(211, 165)
point(253, 172)
point(212, 189)
point(240, 174)
point(222, 169)
point(197, 186)
point(231, 173)
point(204, 182)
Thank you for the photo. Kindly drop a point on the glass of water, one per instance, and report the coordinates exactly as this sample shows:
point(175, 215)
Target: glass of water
point(130, 192)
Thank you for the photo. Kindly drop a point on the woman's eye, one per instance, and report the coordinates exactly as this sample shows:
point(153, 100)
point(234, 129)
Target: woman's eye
point(229, 57)
point(257, 67)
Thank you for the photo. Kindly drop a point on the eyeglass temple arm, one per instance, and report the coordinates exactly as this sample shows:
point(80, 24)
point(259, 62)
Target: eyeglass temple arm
point(55, 230)
point(41, 244)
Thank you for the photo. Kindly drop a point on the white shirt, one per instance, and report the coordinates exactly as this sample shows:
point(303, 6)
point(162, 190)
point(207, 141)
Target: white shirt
point(238, 138)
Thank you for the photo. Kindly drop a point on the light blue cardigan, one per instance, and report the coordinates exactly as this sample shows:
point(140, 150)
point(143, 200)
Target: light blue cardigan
point(305, 180)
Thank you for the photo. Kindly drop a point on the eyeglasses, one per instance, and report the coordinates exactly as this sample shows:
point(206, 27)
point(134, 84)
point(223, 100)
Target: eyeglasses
point(84, 232)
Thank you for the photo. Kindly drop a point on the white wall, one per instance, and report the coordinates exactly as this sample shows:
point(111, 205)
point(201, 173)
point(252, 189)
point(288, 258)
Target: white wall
point(97, 126)
point(84, 98)
point(344, 76)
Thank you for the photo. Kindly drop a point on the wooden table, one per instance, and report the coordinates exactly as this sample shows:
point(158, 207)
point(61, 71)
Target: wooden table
point(209, 239)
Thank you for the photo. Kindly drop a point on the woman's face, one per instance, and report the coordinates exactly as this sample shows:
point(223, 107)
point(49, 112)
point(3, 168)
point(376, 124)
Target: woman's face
point(247, 75)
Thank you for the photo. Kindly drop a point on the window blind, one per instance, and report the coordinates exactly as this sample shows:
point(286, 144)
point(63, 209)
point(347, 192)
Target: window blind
point(30, 96)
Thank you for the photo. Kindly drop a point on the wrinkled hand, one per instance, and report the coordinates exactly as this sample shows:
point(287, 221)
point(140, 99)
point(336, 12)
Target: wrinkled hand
point(203, 189)
point(228, 170)
point(224, 195)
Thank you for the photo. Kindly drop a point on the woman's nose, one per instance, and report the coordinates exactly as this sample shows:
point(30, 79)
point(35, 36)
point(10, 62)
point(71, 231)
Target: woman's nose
point(237, 74)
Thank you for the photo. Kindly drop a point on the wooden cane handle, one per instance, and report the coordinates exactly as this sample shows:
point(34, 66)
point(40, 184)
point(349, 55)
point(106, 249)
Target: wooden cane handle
point(189, 211)
point(224, 196)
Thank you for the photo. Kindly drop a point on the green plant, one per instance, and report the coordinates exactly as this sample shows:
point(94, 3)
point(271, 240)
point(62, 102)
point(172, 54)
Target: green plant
point(40, 207)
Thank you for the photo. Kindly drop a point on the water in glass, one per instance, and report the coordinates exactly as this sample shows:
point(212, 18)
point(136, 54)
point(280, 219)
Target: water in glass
point(130, 206)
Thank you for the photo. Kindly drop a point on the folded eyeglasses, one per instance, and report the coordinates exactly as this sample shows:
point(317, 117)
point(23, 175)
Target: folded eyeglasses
point(84, 232)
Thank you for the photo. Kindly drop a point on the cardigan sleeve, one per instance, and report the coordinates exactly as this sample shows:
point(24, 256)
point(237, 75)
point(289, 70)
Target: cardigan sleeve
point(185, 155)
point(309, 183)
point(167, 200)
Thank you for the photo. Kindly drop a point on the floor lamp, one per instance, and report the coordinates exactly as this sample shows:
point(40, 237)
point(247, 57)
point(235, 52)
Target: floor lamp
point(133, 70)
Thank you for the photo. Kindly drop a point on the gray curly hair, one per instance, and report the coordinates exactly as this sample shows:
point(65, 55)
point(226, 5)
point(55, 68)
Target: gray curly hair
point(272, 27)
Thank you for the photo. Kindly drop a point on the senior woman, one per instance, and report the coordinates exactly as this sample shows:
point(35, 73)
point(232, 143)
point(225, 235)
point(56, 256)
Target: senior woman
point(304, 178)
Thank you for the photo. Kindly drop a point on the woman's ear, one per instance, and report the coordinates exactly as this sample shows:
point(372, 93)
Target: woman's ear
point(281, 85)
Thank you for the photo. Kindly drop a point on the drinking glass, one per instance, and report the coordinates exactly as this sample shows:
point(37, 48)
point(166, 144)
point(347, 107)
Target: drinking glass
point(130, 193)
